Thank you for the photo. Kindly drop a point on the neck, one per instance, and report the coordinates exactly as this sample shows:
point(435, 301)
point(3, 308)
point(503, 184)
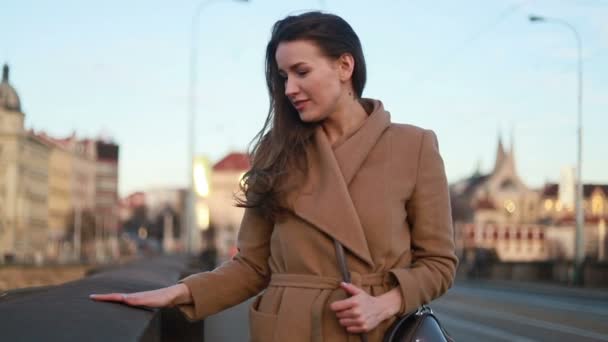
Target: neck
point(345, 121)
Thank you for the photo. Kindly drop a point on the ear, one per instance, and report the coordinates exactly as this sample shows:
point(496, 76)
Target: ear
point(346, 65)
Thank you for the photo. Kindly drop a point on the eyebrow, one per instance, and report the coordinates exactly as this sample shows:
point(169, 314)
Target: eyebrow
point(295, 66)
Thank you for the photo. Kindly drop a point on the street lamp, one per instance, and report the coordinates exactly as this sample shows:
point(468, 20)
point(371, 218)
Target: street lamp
point(190, 195)
point(579, 246)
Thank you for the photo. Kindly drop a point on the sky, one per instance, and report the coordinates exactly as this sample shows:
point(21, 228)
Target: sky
point(469, 70)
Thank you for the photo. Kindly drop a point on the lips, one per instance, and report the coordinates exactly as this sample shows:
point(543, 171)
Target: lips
point(300, 104)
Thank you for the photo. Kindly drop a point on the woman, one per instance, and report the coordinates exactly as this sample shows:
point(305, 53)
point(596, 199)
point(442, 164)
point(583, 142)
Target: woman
point(328, 165)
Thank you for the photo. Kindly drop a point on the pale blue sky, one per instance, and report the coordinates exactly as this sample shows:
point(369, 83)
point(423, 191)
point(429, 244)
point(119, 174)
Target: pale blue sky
point(462, 68)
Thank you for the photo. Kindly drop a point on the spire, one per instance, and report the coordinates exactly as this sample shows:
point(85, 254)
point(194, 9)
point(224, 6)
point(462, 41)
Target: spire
point(500, 153)
point(477, 172)
point(512, 148)
point(5, 73)
point(511, 154)
point(9, 99)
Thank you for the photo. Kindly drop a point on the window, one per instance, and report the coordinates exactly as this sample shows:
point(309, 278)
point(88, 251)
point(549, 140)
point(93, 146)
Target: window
point(107, 184)
point(597, 205)
point(507, 184)
point(510, 206)
point(107, 169)
point(548, 204)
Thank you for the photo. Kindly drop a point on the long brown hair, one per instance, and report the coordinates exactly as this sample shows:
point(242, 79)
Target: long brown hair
point(280, 146)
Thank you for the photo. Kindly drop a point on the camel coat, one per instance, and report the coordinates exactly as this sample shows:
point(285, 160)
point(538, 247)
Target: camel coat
point(383, 194)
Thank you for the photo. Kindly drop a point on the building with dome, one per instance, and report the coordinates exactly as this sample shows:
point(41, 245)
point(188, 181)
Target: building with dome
point(55, 193)
point(24, 160)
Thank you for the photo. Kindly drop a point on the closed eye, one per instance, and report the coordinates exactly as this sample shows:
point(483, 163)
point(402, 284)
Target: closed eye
point(302, 73)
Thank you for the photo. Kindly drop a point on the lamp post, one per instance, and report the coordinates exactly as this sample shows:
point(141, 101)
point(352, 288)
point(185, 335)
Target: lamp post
point(579, 212)
point(190, 221)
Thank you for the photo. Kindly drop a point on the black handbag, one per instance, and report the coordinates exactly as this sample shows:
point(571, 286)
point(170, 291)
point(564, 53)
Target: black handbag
point(420, 325)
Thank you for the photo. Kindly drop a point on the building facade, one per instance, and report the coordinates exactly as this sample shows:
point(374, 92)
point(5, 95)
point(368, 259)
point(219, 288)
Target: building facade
point(48, 184)
point(554, 210)
point(498, 212)
point(60, 187)
point(84, 171)
point(224, 214)
point(32, 224)
point(106, 186)
point(23, 182)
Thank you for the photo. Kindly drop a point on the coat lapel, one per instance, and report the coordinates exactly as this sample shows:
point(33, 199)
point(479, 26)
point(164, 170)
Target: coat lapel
point(351, 154)
point(325, 200)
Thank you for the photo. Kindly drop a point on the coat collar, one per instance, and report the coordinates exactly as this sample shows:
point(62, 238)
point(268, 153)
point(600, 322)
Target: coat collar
point(324, 200)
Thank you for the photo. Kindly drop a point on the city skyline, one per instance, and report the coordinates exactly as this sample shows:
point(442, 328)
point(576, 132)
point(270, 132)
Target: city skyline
point(467, 71)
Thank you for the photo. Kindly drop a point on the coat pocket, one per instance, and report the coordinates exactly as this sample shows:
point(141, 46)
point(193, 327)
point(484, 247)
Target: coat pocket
point(261, 325)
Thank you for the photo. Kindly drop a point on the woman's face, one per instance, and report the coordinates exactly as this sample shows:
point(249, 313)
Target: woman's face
point(313, 82)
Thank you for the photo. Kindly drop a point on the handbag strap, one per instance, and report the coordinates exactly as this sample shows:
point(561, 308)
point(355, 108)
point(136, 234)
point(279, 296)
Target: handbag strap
point(342, 261)
point(344, 270)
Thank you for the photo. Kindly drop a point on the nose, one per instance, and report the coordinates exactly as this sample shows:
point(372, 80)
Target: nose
point(291, 87)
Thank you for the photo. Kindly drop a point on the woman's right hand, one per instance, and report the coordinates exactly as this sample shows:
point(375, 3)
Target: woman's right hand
point(163, 297)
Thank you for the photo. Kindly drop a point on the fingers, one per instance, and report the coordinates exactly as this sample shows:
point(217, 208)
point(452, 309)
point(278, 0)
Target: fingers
point(352, 313)
point(355, 325)
point(110, 297)
point(347, 322)
point(358, 329)
point(349, 302)
point(125, 298)
point(342, 305)
point(358, 314)
point(131, 299)
point(151, 299)
point(351, 289)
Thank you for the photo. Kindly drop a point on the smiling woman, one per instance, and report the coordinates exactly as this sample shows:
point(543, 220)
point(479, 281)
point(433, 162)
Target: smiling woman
point(310, 76)
point(328, 169)
point(314, 66)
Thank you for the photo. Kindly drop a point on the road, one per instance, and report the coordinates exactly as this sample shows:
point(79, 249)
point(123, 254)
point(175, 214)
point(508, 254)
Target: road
point(487, 311)
point(490, 312)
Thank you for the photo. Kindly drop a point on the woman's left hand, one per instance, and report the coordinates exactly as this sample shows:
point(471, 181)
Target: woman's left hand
point(362, 312)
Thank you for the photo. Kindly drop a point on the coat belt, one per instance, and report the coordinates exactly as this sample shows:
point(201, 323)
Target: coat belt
point(327, 285)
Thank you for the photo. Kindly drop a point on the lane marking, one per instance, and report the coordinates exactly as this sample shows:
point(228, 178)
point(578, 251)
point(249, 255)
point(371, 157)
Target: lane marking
point(530, 299)
point(527, 321)
point(482, 329)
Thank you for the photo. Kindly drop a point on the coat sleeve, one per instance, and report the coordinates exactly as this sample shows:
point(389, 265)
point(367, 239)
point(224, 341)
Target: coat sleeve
point(434, 260)
point(236, 280)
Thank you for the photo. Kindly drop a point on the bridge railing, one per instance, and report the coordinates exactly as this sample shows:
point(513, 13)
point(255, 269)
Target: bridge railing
point(66, 313)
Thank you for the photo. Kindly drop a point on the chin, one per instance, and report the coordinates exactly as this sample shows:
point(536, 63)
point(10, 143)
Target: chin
point(311, 117)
